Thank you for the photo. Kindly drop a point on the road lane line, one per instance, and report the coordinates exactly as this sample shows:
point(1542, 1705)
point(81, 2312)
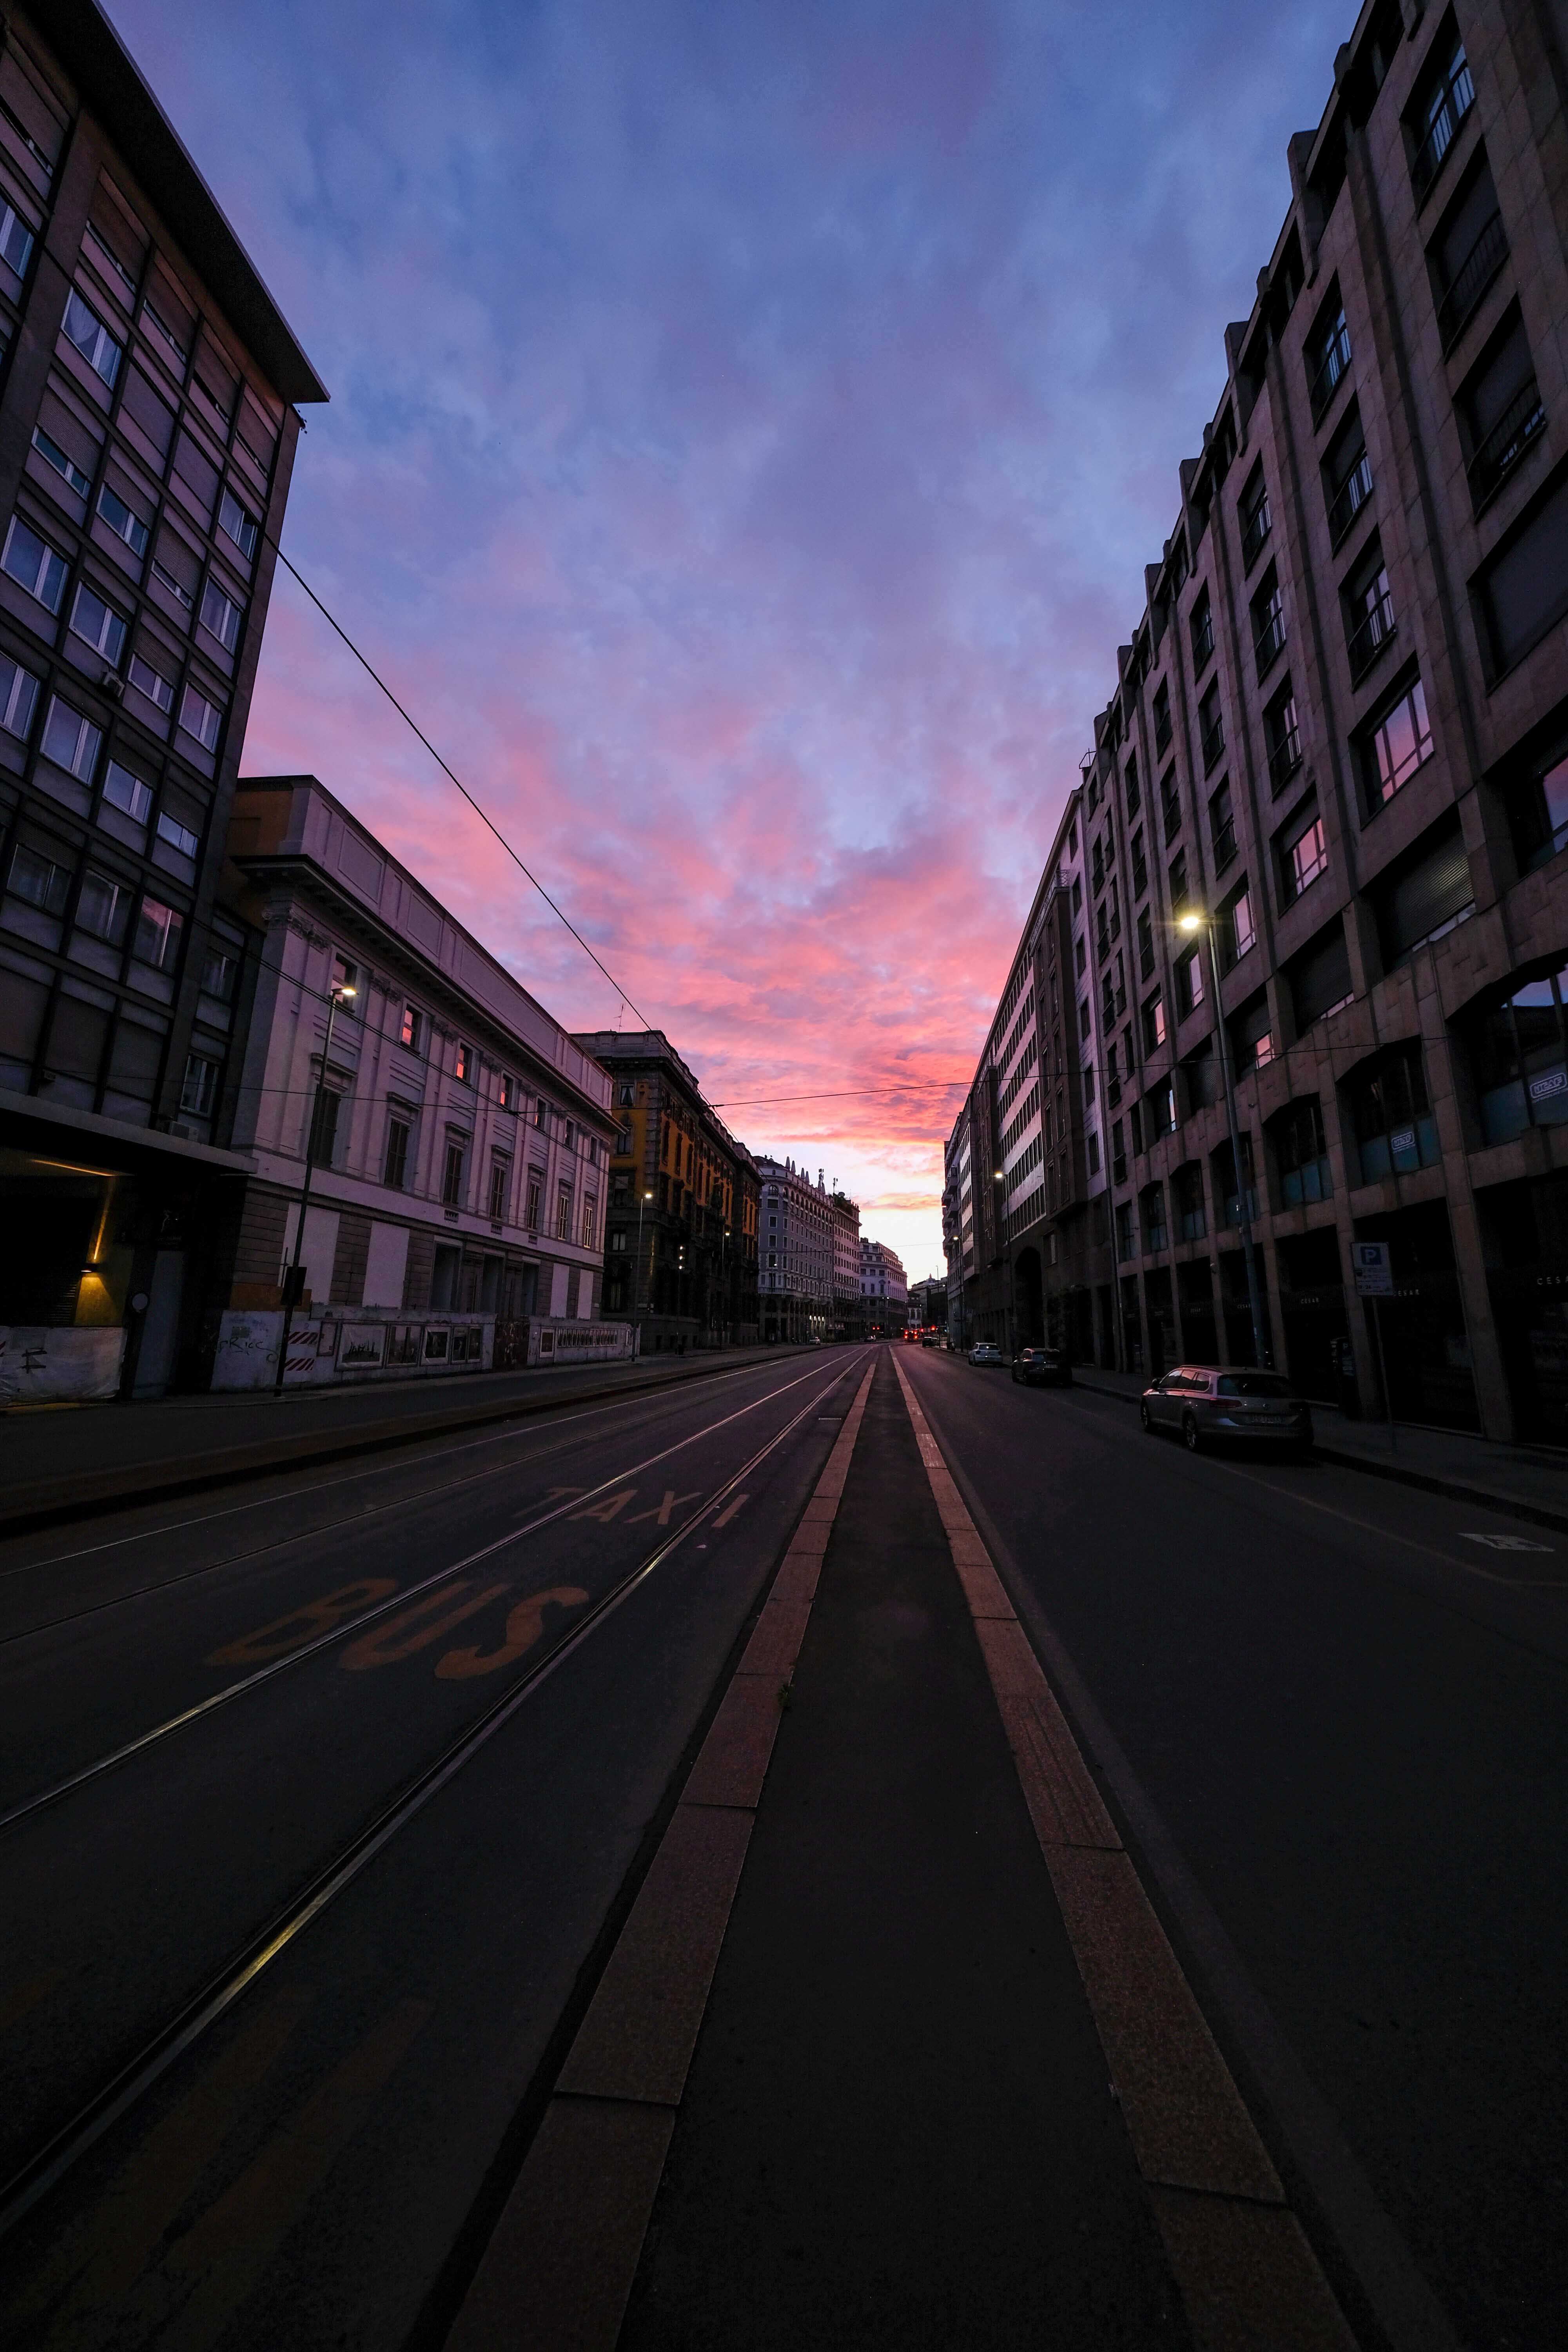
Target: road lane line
point(115, 1757)
point(50, 2163)
point(1243, 2265)
point(560, 2264)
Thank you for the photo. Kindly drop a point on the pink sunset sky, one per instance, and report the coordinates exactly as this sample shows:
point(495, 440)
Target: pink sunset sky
point(749, 426)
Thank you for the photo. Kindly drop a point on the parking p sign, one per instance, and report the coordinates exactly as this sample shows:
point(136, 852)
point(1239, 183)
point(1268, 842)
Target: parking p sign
point(1373, 1272)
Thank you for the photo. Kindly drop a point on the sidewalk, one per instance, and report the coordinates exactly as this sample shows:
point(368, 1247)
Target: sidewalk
point(1526, 1482)
point(59, 1462)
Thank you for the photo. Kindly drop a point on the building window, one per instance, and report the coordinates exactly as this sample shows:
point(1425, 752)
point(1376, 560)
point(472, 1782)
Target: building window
point(201, 718)
point(19, 692)
point(198, 1092)
point(68, 469)
point(178, 837)
point(1125, 1246)
point(1221, 829)
point(1444, 100)
point(411, 1029)
point(39, 880)
point(240, 526)
point(92, 339)
point(158, 689)
point(1146, 945)
point(1538, 805)
point(1255, 517)
point(323, 1146)
point(1303, 852)
point(1395, 746)
point(462, 1062)
point(103, 908)
point(1162, 716)
point(1187, 1203)
point(1327, 353)
point(1131, 785)
point(1500, 409)
point(1140, 868)
point(1424, 893)
point(15, 238)
point(395, 1167)
point(70, 741)
point(222, 615)
point(1268, 623)
point(506, 1091)
point(564, 1213)
point(501, 1186)
point(1302, 1154)
point(1154, 1023)
point(1202, 631)
point(159, 931)
point(220, 969)
point(590, 1220)
point(1177, 880)
point(1282, 737)
point(1520, 1060)
point(1189, 982)
point(35, 565)
point(1251, 1036)
point(452, 1172)
point(1152, 1202)
point(123, 791)
point(98, 625)
point(1239, 931)
point(535, 1198)
point(120, 520)
point(1211, 729)
point(1395, 1131)
point(1468, 250)
point(1347, 475)
point(176, 588)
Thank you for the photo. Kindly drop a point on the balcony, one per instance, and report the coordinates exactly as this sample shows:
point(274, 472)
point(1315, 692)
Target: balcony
point(1284, 758)
point(1333, 365)
point(1270, 643)
point(1449, 109)
point(1470, 281)
point(1259, 523)
point(1213, 746)
point(1348, 499)
point(1371, 634)
point(1504, 446)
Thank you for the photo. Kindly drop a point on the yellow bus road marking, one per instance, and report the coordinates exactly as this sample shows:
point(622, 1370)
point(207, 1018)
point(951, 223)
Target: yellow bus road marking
point(392, 1640)
point(524, 1625)
point(311, 1617)
point(724, 1517)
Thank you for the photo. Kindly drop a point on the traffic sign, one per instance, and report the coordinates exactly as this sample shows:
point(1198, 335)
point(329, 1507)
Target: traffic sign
point(1374, 1269)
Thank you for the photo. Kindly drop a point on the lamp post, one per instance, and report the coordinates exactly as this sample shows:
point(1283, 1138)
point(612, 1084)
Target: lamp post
point(643, 1200)
point(1192, 921)
point(1007, 1269)
point(335, 996)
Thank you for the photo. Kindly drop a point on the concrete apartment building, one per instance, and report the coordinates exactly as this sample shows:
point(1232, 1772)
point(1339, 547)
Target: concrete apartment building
point(680, 1241)
point(147, 436)
point(884, 1290)
point(1339, 740)
point(461, 1137)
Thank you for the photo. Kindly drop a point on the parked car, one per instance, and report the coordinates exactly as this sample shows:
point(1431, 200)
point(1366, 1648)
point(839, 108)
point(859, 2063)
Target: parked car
point(930, 1339)
point(1042, 1368)
point(983, 1352)
point(1208, 1403)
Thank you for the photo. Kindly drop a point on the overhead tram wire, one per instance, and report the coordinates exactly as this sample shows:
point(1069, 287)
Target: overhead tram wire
point(489, 823)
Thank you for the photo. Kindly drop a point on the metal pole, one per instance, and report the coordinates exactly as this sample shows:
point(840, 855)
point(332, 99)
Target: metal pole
point(289, 1286)
point(1383, 1373)
point(1253, 1303)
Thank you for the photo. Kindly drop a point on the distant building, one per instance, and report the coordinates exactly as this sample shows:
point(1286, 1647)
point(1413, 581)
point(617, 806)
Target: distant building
point(928, 1305)
point(461, 1137)
point(958, 1224)
point(797, 1253)
point(680, 1242)
point(148, 423)
point(884, 1292)
point(848, 1317)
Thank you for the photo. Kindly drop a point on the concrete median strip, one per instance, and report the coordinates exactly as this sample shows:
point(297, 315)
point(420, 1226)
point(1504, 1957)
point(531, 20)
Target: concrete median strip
point(560, 2264)
point(1248, 2279)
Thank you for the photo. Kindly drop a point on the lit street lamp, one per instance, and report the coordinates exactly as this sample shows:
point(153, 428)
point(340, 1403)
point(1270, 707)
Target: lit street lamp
point(1192, 921)
point(336, 996)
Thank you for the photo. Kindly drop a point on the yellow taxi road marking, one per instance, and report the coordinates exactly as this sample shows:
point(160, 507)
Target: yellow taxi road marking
point(287, 1632)
point(725, 1517)
point(673, 1502)
point(524, 1625)
point(393, 1641)
point(1192, 2137)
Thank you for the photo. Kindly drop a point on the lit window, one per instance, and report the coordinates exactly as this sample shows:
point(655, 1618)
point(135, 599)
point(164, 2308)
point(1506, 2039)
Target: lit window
point(124, 791)
point(159, 931)
point(199, 1092)
point(201, 718)
point(98, 625)
point(412, 1031)
point(222, 615)
point(68, 469)
point(92, 339)
point(1243, 931)
point(71, 741)
point(19, 692)
point(1401, 740)
point(1308, 857)
point(16, 240)
point(240, 526)
point(35, 565)
point(508, 1091)
point(178, 837)
point(152, 682)
point(122, 521)
point(462, 1061)
point(103, 908)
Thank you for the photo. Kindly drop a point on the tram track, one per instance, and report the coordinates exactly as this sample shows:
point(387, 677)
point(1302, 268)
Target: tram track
point(54, 2157)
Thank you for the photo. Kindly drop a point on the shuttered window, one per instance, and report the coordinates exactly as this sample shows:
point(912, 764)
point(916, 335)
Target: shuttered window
point(1426, 893)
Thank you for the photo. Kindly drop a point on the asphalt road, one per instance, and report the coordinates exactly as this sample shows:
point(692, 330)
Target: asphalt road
point(272, 1668)
point(1333, 1725)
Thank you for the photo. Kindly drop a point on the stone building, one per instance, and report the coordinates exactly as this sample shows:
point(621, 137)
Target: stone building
point(680, 1243)
point(1335, 767)
point(148, 422)
point(461, 1137)
point(884, 1290)
point(798, 1249)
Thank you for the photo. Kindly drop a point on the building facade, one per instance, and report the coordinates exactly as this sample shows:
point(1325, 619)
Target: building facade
point(147, 434)
point(680, 1244)
point(848, 1305)
point(460, 1139)
point(799, 1250)
point(927, 1309)
point(1319, 838)
point(884, 1290)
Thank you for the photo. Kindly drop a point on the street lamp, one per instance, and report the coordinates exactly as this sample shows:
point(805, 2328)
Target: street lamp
point(1192, 921)
point(336, 995)
point(643, 1199)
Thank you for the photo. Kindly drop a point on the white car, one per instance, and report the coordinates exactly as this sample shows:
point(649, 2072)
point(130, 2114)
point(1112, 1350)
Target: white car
point(983, 1352)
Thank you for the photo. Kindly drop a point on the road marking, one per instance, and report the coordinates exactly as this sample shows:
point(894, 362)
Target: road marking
point(311, 1617)
point(1245, 2269)
point(524, 1625)
point(724, 1517)
point(391, 1641)
point(610, 1507)
point(673, 1502)
point(558, 2267)
point(553, 1494)
point(1504, 1543)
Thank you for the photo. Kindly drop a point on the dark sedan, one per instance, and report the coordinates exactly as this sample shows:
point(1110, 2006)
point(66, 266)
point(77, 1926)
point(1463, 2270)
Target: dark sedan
point(1042, 1368)
point(1207, 1403)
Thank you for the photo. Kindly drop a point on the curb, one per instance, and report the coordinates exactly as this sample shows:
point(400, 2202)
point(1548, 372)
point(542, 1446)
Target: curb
point(1457, 1490)
point(77, 1495)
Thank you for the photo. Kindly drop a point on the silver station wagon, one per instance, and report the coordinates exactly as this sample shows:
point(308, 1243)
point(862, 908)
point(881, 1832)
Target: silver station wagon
point(1208, 1404)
